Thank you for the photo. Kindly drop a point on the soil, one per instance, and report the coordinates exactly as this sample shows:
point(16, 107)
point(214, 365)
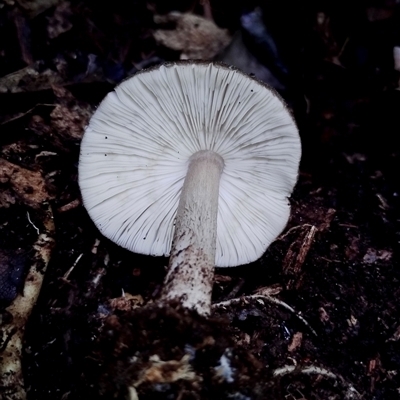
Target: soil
point(316, 317)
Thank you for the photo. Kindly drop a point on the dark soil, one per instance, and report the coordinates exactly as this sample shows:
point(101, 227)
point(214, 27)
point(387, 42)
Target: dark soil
point(95, 327)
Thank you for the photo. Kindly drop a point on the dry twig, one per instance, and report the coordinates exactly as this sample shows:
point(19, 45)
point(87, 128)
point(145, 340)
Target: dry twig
point(269, 299)
point(350, 392)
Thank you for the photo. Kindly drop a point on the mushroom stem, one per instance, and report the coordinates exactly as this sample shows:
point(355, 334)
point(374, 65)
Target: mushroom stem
point(191, 266)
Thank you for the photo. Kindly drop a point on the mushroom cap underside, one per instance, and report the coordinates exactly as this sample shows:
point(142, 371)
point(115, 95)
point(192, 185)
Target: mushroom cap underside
point(136, 149)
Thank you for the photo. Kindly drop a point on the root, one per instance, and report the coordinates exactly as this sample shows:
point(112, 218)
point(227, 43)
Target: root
point(269, 299)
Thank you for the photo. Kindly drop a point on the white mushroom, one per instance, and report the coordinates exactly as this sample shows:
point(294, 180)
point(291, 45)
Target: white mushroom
point(199, 144)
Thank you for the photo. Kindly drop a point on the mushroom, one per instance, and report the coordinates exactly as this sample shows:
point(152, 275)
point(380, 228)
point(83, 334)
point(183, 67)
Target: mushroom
point(195, 160)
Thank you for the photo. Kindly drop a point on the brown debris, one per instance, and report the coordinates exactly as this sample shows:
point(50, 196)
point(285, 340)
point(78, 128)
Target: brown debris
point(127, 302)
point(67, 121)
point(298, 249)
point(196, 37)
point(29, 79)
point(28, 186)
point(69, 206)
point(296, 342)
point(295, 258)
point(166, 371)
point(272, 290)
point(70, 117)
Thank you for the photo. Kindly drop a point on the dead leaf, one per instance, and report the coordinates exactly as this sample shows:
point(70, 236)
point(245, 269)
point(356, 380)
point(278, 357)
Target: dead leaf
point(166, 371)
point(29, 79)
point(272, 290)
point(127, 302)
point(27, 186)
point(196, 37)
point(68, 120)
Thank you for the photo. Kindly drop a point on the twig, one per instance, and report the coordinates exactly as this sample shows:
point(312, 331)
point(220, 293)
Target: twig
point(292, 263)
point(69, 206)
point(29, 219)
point(270, 299)
point(351, 392)
point(293, 228)
point(329, 260)
point(66, 275)
point(20, 115)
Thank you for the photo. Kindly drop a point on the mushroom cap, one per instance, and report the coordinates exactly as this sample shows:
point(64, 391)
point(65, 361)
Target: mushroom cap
point(135, 153)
